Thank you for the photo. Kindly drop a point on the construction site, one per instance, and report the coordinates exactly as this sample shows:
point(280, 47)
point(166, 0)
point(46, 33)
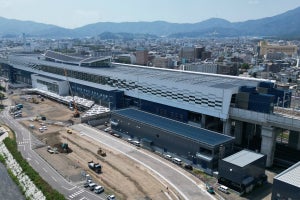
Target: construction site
point(69, 152)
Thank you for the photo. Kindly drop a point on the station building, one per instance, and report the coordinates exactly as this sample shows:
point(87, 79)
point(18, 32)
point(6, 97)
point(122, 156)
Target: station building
point(213, 102)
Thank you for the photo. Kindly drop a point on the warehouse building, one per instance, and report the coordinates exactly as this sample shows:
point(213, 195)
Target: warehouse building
point(242, 171)
point(286, 185)
point(200, 145)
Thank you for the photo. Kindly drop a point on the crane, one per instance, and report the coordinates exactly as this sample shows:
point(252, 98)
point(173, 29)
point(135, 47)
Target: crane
point(76, 113)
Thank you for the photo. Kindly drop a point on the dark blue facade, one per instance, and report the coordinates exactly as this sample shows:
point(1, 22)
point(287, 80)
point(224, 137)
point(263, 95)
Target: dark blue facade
point(113, 99)
point(261, 103)
point(266, 84)
point(249, 89)
point(165, 111)
point(282, 97)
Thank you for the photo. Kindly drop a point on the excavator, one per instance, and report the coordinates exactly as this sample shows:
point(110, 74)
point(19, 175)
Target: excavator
point(76, 113)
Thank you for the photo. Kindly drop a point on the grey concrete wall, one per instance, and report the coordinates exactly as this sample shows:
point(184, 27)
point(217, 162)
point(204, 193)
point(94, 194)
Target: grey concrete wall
point(268, 143)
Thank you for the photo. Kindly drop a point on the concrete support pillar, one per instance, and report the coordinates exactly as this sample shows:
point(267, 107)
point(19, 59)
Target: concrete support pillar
point(203, 121)
point(294, 139)
point(238, 132)
point(268, 135)
point(227, 127)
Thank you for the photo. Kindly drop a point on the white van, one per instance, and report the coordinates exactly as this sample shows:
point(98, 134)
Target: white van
point(168, 157)
point(92, 186)
point(136, 143)
point(98, 189)
point(177, 161)
point(223, 188)
point(107, 129)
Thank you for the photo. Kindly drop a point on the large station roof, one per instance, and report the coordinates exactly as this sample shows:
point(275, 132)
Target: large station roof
point(204, 93)
point(143, 73)
point(59, 57)
point(184, 130)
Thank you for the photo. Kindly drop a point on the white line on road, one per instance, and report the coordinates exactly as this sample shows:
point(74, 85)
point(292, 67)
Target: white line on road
point(37, 162)
point(70, 188)
point(167, 194)
point(45, 169)
point(53, 178)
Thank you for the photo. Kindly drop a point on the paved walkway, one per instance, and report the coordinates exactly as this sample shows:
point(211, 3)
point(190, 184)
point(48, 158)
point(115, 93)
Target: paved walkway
point(8, 189)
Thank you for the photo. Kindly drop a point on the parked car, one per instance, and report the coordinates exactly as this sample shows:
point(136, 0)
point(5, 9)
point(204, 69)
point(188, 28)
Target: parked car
point(107, 129)
point(189, 167)
point(111, 197)
point(136, 143)
point(99, 189)
point(168, 157)
point(177, 161)
point(224, 189)
point(86, 184)
point(116, 135)
point(210, 188)
point(92, 186)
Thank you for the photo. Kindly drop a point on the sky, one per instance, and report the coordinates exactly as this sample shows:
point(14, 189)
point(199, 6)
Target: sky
point(76, 13)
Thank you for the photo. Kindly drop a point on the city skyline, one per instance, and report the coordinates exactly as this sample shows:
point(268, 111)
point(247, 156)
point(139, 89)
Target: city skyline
point(73, 14)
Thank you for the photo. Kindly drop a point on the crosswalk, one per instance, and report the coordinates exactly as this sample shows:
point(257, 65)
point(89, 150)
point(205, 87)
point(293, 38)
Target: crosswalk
point(23, 142)
point(76, 194)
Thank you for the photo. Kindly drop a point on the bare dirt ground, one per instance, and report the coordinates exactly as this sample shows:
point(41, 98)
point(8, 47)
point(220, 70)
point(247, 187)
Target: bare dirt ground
point(121, 176)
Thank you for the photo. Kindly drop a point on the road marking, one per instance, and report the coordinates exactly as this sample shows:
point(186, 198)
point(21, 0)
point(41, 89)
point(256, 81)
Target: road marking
point(167, 194)
point(76, 194)
point(28, 159)
point(69, 188)
point(37, 162)
point(54, 179)
point(45, 169)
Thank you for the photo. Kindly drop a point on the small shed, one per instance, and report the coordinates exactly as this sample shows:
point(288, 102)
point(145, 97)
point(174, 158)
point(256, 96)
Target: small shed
point(242, 170)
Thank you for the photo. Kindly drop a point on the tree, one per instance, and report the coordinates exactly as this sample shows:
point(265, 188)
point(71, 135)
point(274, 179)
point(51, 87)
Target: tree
point(245, 66)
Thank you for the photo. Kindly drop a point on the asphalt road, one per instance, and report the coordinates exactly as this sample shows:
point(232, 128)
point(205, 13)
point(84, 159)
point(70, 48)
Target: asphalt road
point(25, 143)
point(8, 189)
point(183, 184)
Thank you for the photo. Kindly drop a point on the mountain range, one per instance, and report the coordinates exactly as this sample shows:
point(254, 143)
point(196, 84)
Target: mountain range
point(282, 25)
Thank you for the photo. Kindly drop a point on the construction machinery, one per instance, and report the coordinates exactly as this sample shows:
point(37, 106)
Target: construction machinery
point(101, 152)
point(76, 113)
point(96, 167)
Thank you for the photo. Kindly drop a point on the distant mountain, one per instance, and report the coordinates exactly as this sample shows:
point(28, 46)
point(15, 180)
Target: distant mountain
point(17, 27)
point(283, 25)
point(124, 36)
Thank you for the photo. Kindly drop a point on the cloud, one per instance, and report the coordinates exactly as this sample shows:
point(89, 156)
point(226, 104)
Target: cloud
point(5, 3)
point(87, 14)
point(253, 2)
